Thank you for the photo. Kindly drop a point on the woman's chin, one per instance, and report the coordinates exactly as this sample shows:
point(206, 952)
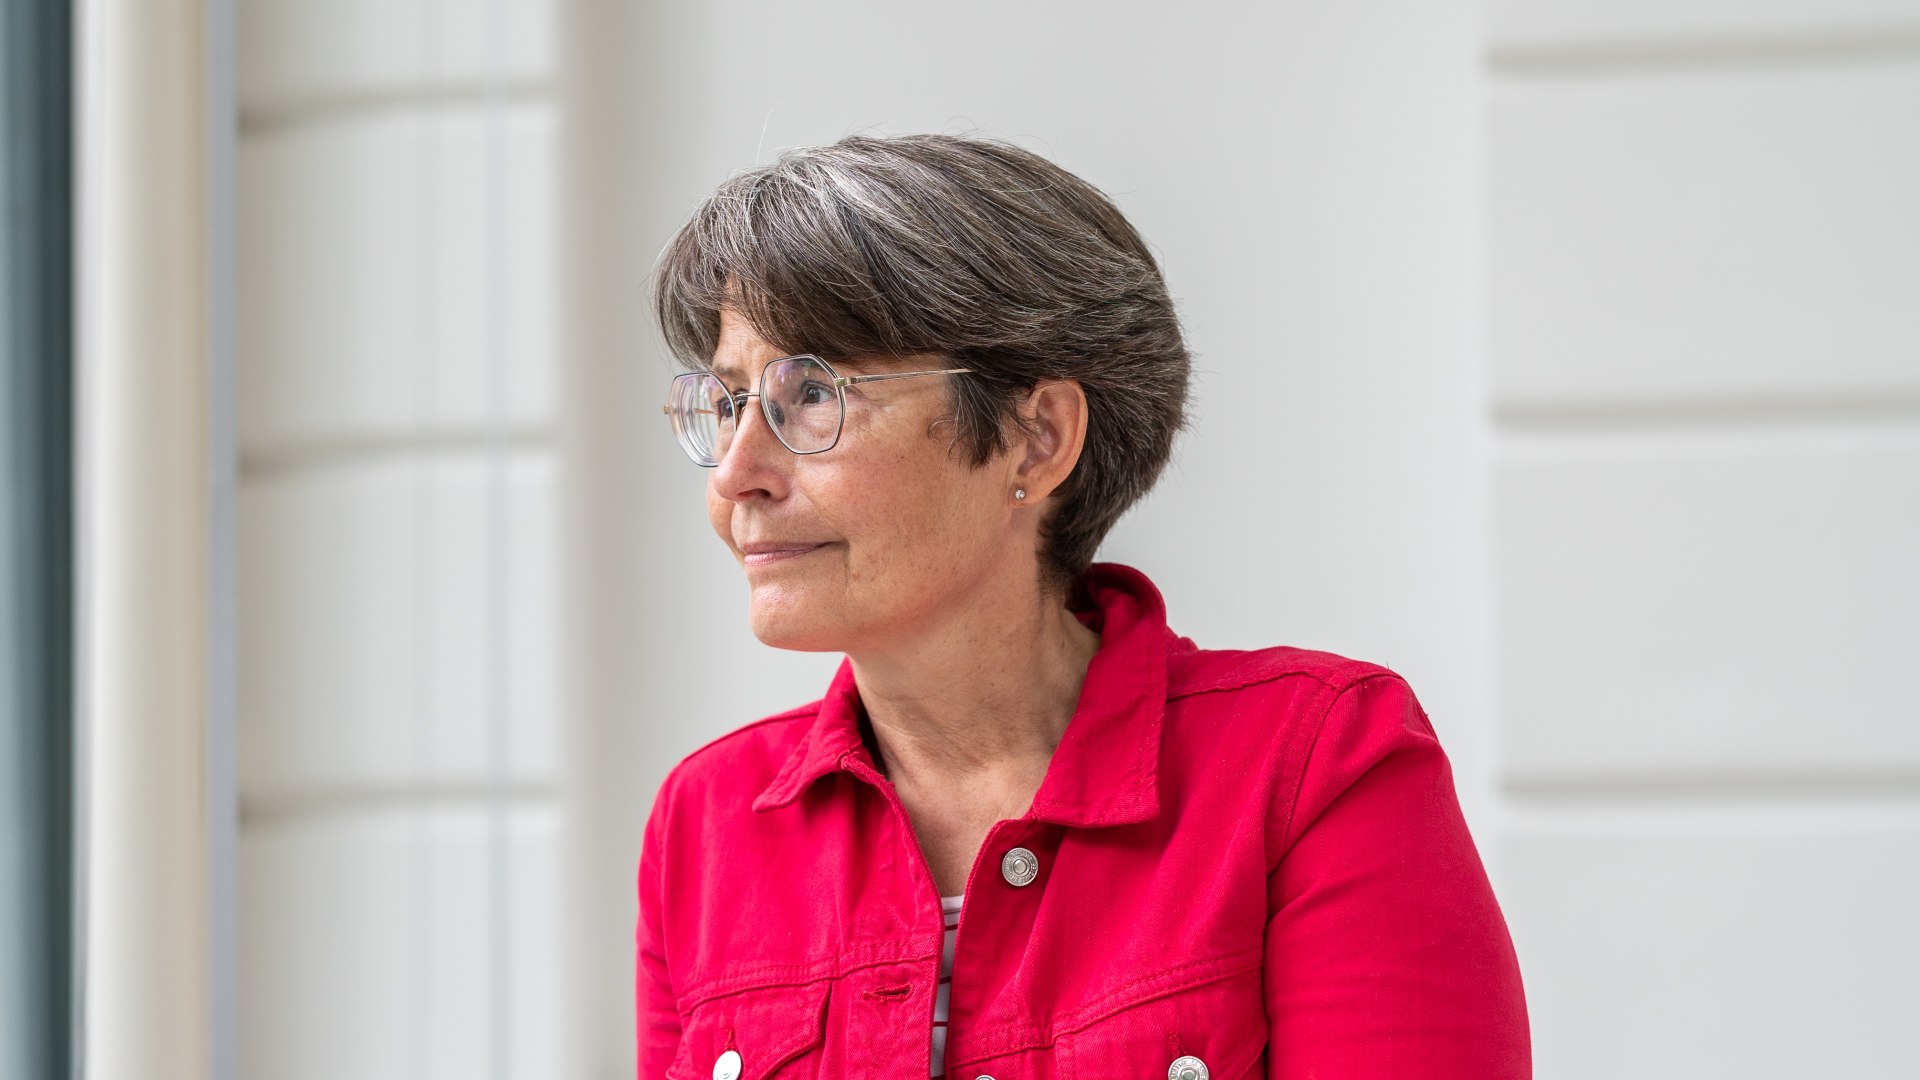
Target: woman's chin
point(788, 622)
point(782, 636)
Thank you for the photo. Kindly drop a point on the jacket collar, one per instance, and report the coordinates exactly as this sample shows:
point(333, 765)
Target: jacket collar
point(1106, 768)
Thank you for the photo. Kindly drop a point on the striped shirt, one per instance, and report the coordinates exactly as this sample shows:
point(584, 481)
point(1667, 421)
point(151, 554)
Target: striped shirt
point(950, 913)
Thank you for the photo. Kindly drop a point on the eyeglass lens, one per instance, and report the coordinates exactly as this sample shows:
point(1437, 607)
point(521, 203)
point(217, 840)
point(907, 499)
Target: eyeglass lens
point(799, 402)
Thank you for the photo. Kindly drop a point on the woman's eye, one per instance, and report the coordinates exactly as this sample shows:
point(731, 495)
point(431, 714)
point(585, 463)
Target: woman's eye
point(815, 393)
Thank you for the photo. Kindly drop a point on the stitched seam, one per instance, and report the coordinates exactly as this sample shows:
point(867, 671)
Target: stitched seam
point(1248, 959)
point(1235, 1067)
point(768, 975)
point(810, 1036)
point(1241, 682)
point(1015, 1038)
point(791, 975)
point(1300, 781)
point(1146, 752)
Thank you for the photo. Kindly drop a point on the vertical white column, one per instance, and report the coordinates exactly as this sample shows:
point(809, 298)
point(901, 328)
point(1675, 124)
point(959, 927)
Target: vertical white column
point(606, 540)
point(143, 533)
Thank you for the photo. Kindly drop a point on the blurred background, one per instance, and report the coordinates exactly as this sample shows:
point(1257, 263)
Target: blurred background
point(1591, 329)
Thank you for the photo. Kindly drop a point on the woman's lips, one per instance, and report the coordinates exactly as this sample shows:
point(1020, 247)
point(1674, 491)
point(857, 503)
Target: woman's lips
point(767, 554)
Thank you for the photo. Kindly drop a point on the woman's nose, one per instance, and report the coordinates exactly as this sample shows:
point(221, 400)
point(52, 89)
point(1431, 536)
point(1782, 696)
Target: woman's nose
point(754, 460)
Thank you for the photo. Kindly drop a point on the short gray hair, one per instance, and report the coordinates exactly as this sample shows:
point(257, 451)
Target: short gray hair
point(956, 246)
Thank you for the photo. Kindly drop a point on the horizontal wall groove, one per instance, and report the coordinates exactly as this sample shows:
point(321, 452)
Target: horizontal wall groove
point(1867, 409)
point(362, 799)
point(306, 454)
point(1548, 791)
point(1629, 56)
point(339, 106)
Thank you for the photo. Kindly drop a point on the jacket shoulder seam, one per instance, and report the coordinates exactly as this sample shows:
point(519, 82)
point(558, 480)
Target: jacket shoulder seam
point(1338, 681)
point(1306, 759)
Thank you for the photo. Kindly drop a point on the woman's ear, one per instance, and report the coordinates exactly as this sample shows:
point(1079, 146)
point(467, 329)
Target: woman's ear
point(1054, 428)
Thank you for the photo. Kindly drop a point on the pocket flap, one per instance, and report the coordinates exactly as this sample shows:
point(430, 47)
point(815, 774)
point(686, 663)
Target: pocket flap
point(767, 1026)
point(1220, 1024)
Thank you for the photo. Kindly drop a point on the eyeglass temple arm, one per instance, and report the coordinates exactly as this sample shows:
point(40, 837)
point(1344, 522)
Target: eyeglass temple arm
point(850, 380)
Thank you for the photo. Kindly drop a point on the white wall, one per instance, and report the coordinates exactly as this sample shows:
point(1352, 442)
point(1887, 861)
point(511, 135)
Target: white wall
point(1704, 254)
point(399, 708)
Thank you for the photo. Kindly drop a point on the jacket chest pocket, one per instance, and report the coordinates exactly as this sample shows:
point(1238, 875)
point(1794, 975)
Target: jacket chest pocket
point(1214, 1031)
point(769, 1031)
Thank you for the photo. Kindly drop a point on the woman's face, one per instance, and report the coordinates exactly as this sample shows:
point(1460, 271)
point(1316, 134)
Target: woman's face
point(873, 541)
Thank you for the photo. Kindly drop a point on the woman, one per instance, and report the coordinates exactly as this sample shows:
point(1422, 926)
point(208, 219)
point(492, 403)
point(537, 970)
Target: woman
point(1029, 831)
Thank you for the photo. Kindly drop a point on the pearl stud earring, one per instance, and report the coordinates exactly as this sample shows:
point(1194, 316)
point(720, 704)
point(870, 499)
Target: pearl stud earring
point(1019, 493)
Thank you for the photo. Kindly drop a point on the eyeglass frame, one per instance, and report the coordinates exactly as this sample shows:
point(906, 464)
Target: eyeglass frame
point(738, 397)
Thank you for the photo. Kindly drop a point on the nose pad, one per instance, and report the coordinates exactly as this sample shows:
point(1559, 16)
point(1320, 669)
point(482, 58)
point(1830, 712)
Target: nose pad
point(726, 462)
point(740, 420)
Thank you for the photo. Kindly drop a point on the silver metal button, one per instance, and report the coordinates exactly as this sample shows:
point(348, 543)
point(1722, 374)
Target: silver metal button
point(1187, 1068)
point(727, 1066)
point(1019, 867)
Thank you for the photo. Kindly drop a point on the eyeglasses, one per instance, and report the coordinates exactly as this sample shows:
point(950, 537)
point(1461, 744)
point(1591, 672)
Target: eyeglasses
point(802, 398)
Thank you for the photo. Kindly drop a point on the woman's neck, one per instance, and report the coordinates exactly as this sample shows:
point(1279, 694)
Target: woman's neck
point(985, 695)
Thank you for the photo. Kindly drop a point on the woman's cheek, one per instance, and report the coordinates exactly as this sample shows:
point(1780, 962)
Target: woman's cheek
point(720, 517)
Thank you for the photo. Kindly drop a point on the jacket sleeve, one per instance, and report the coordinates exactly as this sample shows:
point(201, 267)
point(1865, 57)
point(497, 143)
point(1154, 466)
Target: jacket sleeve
point(1386, 952)
point(656, 1013)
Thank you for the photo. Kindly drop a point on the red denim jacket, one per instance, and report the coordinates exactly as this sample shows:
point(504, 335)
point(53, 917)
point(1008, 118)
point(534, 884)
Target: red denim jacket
point(1252, 861)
